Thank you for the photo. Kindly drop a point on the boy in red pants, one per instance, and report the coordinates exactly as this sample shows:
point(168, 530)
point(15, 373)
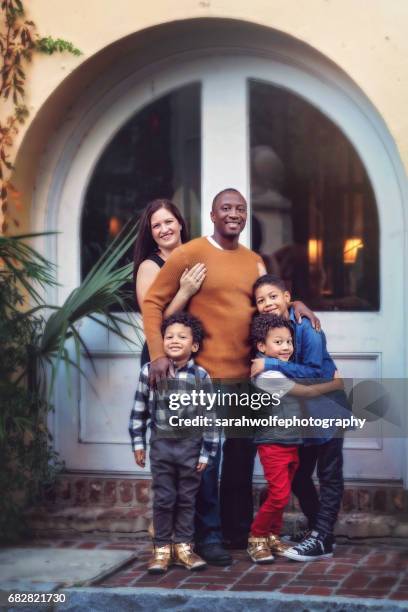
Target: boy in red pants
point(277, 445)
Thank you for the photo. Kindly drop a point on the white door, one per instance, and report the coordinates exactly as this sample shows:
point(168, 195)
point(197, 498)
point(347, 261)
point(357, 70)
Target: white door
point(234, 124)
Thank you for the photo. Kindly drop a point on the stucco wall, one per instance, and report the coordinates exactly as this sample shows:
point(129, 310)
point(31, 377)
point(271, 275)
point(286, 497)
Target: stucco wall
point(367, 39)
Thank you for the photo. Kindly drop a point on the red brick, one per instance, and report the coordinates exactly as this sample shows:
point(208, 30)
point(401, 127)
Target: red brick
point(87, 545)
point(398, 500)
point(315, 568)
point(293, 589)
point(278, 579)
point(214, 587)
point(95, 492)
point(142, 491)
point(246, 587)
point(348, 593)
point(364, 500)
point(357, 580)
point(400, 596)
point(376, 559)
point(384, 582)
point(204, 579)
point(125, 491)
point(109, 492)
point(380, 500)
point(247, 580)
point(349, 500)
point(320, 591)
point(80, 491)
point(63, 487)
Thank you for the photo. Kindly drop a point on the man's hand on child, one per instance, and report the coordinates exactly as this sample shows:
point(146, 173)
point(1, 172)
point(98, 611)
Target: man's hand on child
point(257, 367)
point(301, 310)
point(201, 466)
point(140, 457)
point(160, 369)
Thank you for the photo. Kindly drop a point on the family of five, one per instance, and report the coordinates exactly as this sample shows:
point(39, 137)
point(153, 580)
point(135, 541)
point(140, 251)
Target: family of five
point(208, 307)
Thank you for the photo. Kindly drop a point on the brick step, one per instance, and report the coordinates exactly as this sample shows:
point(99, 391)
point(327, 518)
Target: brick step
point(45, 522)
point(89, 504)
point(108, 491)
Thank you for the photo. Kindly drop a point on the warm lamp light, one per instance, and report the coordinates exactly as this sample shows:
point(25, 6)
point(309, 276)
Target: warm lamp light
point(351, 246)
point(115, 225)
point(314, 249)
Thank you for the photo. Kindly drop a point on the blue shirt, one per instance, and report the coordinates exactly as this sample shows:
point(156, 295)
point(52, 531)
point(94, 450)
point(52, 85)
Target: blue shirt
point(311, 358)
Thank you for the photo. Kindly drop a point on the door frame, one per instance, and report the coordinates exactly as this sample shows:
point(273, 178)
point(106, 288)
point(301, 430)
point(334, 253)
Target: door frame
point(71, 159)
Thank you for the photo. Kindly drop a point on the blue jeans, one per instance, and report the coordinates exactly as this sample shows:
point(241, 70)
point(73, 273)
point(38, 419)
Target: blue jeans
point(207, 516)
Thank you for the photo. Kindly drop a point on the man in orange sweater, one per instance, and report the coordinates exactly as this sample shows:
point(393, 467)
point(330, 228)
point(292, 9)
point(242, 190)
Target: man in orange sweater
point(224, 306)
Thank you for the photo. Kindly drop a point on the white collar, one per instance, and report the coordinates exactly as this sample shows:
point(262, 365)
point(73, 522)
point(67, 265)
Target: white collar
point(214, 243)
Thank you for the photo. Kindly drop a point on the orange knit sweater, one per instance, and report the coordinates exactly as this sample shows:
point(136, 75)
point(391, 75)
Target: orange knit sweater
point(223, 304)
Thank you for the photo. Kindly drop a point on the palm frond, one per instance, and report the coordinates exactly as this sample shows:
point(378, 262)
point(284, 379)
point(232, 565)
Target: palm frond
point(97, 294)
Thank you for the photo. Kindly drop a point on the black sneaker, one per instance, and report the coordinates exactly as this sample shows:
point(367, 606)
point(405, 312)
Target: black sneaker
point(214, 554)
point(312, 548)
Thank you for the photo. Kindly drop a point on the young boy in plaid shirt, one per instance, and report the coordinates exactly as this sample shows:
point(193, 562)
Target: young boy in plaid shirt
point(176, 462)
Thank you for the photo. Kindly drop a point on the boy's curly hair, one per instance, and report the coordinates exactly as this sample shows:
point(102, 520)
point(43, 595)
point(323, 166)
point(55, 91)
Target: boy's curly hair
point(262, 324)
point(189, 321)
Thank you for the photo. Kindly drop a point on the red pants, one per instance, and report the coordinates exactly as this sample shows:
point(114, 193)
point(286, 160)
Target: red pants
point(279, 464)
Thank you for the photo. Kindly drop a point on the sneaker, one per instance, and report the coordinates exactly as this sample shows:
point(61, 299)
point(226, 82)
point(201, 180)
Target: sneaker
point(277, 547)
point(312, 548)
point(297, 536)
point(160, 560)
point(214, 554)
point(185, 556)
point(259, 550)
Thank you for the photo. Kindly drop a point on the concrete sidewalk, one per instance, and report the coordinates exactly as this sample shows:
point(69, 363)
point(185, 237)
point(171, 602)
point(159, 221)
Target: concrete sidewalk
point(372, 576)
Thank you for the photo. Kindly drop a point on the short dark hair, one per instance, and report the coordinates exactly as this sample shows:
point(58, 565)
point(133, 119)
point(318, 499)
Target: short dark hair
point(268, 279)
point(263, 323)
point(227, 190)
point(184, 318)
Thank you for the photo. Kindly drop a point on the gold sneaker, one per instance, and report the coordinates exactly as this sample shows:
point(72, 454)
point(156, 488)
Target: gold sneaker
point(160, 560)
point(276, 546)
point(259, 550)
point(183, 555)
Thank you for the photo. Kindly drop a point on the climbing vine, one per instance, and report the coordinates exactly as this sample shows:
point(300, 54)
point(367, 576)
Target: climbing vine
point(19, 41)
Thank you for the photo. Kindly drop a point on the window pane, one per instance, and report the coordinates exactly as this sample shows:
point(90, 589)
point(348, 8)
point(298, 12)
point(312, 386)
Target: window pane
point(155, 155)
point(314, 216)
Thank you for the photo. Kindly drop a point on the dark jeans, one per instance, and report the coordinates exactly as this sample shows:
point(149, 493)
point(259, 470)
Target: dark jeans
point(237, 509)
point(207, 515)
point(175, 485)
point(321, 509)
point(230, 515)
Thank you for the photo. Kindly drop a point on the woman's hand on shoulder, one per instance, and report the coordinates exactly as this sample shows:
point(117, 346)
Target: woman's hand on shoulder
point(191, 280)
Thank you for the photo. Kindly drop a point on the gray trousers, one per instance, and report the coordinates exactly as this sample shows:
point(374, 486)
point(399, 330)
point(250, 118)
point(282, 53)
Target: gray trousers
point(176, 481)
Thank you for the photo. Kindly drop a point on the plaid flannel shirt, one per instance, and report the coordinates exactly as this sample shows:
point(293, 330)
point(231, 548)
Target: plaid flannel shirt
point(154, 406)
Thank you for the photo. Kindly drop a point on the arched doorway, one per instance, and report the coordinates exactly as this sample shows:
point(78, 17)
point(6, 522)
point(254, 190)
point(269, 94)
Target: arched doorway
point(227, 81)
